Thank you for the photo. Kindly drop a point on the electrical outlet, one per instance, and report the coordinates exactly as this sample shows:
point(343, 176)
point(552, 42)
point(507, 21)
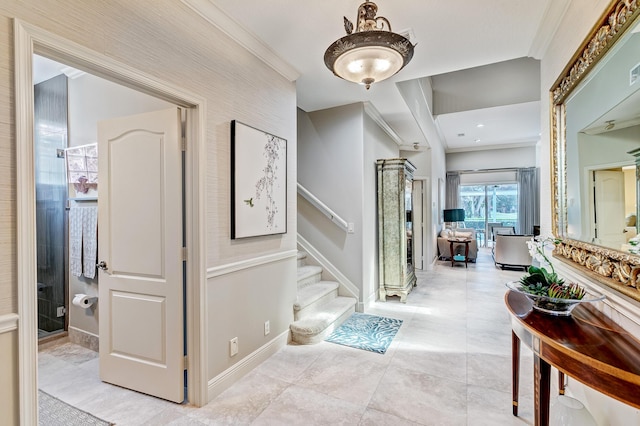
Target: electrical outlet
point(233, 346)
point(267, 327)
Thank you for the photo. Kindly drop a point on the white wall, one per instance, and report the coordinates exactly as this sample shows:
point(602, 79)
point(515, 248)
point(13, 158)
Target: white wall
point(418, 95)
point(337, 150)
point(91, 99)
point(578, 21)
point(330, 166)
point(377, 145)
point(492, 159)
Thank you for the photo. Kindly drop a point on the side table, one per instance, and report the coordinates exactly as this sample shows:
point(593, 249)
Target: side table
point(464, 241)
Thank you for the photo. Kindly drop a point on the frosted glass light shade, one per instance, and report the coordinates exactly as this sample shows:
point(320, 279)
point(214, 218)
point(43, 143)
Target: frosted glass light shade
point(567, 411)
point(366, 65)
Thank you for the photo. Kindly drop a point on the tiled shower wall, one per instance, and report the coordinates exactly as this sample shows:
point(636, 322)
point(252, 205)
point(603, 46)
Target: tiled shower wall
point(51, 195)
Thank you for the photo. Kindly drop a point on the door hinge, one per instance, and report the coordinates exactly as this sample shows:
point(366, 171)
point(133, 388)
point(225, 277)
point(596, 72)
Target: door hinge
point(184, 363)
point(184, 254)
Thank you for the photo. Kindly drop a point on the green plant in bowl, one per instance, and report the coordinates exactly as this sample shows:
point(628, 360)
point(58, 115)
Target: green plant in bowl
point(546, 290)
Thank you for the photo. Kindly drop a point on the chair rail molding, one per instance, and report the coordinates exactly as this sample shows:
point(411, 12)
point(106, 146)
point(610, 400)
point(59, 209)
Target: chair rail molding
point(8, 322)
point(229, 268)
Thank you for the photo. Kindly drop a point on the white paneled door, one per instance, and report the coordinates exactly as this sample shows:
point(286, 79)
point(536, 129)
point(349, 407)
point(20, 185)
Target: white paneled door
point(609, 207)
point(140, 253)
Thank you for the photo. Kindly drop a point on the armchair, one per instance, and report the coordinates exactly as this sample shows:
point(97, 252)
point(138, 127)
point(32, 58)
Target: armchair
point(512, 251)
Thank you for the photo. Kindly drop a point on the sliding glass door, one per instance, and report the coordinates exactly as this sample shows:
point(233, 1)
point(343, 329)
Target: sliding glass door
point(485, 205)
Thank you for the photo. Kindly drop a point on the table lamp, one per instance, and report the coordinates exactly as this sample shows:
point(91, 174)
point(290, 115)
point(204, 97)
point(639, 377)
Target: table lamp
point(453, 216)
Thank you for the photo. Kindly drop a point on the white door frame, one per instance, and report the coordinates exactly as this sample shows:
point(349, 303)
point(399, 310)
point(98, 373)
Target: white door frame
point(29, 40)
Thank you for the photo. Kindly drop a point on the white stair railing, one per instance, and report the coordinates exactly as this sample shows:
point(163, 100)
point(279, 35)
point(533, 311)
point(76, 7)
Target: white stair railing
point(324, 209)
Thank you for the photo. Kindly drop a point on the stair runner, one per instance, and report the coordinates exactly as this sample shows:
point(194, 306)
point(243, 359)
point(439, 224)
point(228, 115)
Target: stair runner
point(318, 309)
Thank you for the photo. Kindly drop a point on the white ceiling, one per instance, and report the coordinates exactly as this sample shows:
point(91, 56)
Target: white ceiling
point(484, 39)
point(449, 36)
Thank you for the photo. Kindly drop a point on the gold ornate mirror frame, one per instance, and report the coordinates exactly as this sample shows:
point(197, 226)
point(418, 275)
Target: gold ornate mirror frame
point(615, 269)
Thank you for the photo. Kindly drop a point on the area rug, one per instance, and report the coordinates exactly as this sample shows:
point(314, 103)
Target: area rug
point(367, 332)
point(54, 412)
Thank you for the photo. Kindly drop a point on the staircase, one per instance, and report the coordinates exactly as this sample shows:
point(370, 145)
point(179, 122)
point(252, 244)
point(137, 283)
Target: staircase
point(318, 309)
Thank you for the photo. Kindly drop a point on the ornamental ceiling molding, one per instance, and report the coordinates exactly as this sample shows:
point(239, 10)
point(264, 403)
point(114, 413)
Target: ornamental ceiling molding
point(603, 36)
point(219, 19)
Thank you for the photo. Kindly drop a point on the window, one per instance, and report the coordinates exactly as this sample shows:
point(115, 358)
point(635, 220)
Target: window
point(484, 204)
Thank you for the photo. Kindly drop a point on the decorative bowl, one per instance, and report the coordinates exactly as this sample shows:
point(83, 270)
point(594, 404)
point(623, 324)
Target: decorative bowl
point(552, 305)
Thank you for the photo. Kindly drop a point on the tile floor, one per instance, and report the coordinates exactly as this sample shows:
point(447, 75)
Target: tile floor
point(449, 364)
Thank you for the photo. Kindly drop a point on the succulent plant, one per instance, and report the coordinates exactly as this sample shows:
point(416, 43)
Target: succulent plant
point(543, 283)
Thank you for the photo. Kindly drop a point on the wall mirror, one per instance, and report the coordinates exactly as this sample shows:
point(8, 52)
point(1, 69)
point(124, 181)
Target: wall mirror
point(595, 105)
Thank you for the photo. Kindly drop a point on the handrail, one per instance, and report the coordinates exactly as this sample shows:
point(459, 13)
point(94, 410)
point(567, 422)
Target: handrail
point(324, 209)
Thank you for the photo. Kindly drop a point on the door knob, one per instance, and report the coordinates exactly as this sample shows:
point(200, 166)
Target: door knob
point(102, 265)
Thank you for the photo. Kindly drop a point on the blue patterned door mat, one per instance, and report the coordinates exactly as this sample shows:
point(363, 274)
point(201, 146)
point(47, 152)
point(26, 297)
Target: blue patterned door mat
point(367, 332)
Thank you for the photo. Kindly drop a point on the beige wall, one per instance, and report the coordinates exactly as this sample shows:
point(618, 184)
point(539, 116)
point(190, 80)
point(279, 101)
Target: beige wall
point(166, 39)
point(8, 374)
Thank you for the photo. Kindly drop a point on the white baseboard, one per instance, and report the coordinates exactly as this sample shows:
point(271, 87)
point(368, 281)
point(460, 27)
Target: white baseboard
point(224, 380)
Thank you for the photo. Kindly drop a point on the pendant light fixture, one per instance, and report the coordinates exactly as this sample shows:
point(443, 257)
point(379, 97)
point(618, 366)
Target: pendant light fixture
point(369, 53)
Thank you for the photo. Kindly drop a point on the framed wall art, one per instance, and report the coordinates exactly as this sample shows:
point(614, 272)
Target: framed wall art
point(258, 182)
point(82, 170)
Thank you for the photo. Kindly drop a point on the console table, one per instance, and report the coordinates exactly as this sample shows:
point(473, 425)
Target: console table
point(587, 346)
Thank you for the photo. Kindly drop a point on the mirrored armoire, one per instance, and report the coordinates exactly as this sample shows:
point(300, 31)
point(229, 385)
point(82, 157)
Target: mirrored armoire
point(395, 249)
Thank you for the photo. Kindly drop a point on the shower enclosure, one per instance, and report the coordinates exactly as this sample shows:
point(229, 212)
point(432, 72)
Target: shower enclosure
point(50, 136)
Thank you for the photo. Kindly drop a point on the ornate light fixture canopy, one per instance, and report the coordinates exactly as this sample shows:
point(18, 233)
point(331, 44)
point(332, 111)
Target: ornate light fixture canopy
point(372, 52)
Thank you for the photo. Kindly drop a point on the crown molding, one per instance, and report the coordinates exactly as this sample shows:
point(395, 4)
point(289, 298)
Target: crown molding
point(549, 24)
point(375, 115)
point(515, 144)
point(225, 23)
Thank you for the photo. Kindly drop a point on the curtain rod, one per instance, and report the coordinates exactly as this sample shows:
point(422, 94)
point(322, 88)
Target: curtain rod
point(504, 169)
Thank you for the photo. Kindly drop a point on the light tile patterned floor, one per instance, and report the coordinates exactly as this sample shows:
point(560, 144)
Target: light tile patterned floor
point(449, 364)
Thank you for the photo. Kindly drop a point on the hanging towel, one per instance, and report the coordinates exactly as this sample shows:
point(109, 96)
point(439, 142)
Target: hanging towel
point(90, 241)
point(75, 241)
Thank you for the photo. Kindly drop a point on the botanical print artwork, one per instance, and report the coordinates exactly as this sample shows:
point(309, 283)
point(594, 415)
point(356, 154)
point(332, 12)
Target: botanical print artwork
point(266, 184)
point(259, 162)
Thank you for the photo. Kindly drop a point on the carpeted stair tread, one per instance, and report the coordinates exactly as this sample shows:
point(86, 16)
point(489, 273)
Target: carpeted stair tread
point(310, 293)
point(317, 323)
point(308, 274)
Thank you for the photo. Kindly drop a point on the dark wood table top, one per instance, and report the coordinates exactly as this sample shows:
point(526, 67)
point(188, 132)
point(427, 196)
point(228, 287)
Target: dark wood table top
point(587, 346)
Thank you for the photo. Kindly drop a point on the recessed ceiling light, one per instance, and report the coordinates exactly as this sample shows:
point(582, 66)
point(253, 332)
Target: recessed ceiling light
point(477, 140)
point(480, 125)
